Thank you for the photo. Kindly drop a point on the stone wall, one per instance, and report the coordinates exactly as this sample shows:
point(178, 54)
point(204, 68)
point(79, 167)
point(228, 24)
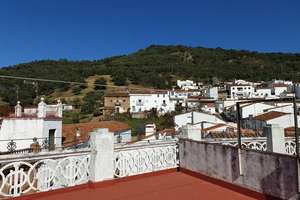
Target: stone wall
point(268, 173)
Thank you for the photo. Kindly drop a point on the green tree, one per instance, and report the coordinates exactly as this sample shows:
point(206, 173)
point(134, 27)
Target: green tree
point(100, 84)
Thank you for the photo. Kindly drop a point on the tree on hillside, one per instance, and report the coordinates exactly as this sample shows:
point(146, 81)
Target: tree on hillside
point(99, 82)
point(119, 80)
point(91, 102)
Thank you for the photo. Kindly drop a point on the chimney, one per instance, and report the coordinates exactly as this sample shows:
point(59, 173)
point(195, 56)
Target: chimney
point(150, 129)
point(42, 109)
point(18, 110)
point(59, 108)
point(275, 138)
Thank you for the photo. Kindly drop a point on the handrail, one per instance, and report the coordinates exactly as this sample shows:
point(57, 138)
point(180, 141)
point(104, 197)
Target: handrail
point(43, 155)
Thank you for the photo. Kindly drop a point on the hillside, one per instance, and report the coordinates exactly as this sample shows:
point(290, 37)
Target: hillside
point(155, 66)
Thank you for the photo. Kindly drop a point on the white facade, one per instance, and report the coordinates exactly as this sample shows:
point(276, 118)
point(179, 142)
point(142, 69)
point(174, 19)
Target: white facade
point(213, 93)
point(241, 91)
point(42, 123)
point(187, 85)
point(196, 118)
point(283, 121)
point(254, 109)
point(278, 90)
point(150, 129)
point(284, 108)
point(263, 92)
point(179, 97)
point(140, 102)
point(283, 82)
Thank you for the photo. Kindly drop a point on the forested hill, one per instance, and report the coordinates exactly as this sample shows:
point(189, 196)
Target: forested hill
point(156, 66)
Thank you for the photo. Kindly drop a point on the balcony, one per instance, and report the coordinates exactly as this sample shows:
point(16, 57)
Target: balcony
point(167, 169)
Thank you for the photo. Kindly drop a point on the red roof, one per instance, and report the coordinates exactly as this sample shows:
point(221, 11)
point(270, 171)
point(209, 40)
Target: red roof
point(279, 85)
point(270, 115)
point(69, 130)
point(214, 127)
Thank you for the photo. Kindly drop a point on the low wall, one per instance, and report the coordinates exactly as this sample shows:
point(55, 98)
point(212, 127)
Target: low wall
point(268, 173)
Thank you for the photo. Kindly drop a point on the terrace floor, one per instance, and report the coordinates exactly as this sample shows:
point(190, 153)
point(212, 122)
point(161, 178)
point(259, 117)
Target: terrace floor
point(172, 185)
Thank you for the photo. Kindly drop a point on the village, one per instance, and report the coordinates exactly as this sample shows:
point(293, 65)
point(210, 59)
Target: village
point(195, 110)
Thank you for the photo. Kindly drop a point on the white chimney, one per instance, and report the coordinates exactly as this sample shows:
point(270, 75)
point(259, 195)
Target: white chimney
point(42, 109)
point(59, 108)
point(150, 129)
point(18, 110)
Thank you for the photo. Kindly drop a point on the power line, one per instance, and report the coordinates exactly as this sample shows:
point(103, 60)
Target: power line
point(67, 82)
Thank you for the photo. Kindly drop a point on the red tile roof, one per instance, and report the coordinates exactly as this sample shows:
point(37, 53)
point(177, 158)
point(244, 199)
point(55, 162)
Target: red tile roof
point(270, 115)
point(214, 127)
point(279, 85)
point(69, 130)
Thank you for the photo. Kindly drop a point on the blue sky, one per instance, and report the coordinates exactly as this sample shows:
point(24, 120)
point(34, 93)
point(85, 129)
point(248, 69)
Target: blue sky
point(93, 29)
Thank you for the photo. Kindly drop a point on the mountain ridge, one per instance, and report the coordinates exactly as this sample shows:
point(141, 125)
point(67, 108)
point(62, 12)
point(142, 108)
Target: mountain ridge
point(155, 66)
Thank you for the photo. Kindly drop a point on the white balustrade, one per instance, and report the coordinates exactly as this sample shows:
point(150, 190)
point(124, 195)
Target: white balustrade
point(261, 145)
point(17, 178)
point(290, 147)
point(144, 159)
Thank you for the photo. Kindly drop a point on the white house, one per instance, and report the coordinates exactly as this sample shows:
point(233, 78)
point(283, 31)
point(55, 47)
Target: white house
point(179, 97)
point(263, 92)
point(241, 91)
point(187, 85)
point(213, 93)
point(283, 120)
point(254, 109)
point(202, 119)
point(279, 88)
point(141, 101)
point(43, 123)
point(287, 108)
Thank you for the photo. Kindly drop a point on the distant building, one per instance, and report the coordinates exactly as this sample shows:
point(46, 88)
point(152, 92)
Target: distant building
point(116, 102)
point(141, 101)
point(282, 119)
point(263, 92)
point(201, 119)
point(279, 88)
point(213, 93)
point(254, 109)
point(187, 85)
point(43, 123)
point(241, 91)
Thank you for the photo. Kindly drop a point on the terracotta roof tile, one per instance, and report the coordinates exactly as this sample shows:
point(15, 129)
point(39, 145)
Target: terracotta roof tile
point(69, 130)
point(279, 85)
point(270, 115)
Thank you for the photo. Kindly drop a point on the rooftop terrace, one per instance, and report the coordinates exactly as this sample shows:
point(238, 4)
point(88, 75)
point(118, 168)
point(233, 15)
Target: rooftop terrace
point(167, 169)
point(160, 186)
